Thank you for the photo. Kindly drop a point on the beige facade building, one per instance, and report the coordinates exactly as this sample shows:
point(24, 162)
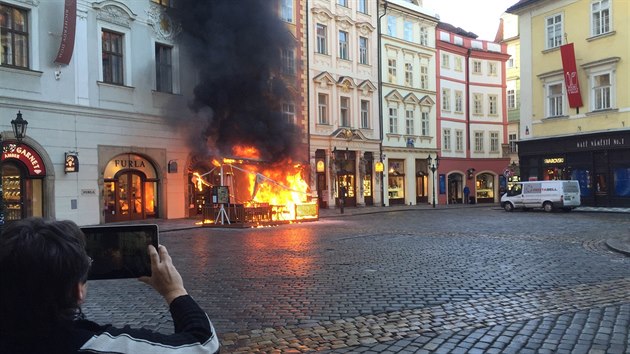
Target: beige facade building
point(343, 76)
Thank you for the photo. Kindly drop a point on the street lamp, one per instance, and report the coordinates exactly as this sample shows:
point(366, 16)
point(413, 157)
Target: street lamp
point(19, 127)
point(433, 166)
point(19, 130)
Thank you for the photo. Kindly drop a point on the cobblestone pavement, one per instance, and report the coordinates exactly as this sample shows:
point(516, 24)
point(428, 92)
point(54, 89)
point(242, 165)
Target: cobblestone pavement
point(467, 280)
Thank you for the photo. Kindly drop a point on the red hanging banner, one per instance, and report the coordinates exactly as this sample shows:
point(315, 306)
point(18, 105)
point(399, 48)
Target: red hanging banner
point(67, 35)
point(571, 75)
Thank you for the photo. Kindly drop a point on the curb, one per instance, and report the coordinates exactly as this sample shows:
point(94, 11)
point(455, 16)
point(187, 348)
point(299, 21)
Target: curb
point(619, 245)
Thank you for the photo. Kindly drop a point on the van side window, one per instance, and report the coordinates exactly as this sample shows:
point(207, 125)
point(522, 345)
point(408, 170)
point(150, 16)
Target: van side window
point(515, 190)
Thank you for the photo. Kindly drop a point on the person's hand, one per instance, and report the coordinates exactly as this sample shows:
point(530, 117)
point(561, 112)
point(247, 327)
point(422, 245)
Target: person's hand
point(165, 278)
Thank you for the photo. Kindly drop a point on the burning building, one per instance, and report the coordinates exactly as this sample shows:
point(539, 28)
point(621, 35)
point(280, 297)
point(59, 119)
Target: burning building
point(246, 123)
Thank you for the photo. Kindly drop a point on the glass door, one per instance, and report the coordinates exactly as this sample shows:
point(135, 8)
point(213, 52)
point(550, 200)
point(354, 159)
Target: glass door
point(124, 198)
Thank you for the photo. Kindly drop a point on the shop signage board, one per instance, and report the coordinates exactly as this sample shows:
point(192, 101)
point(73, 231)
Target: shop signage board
point(26, 155)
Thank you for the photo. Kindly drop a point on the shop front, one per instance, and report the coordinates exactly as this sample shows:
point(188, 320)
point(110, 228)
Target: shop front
point(396, 182)
point(599, 161)
point(130, 189)
point(345, 173)
point(23, 174)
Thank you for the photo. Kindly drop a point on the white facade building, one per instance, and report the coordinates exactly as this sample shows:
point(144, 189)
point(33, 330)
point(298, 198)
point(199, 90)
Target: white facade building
point(408, 94)
point(105, 106)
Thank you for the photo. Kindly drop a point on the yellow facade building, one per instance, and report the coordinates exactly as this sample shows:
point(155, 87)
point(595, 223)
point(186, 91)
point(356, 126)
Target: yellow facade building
point(561, 137)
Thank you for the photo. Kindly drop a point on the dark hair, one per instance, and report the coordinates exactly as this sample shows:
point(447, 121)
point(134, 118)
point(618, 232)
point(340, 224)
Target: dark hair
point(41, 263)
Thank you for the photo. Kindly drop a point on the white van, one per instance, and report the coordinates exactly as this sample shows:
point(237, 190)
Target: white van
point(548, 195)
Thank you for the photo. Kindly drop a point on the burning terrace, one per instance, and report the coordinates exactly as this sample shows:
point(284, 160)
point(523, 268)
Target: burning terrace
point(248, 192)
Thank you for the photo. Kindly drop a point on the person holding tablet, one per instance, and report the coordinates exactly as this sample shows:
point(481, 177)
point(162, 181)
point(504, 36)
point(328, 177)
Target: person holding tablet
point(43, 273)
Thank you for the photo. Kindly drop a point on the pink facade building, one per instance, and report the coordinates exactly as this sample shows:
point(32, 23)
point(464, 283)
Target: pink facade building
point(472, 117)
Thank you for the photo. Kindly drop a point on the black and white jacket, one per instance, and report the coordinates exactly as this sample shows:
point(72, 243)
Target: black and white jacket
point(194, 334)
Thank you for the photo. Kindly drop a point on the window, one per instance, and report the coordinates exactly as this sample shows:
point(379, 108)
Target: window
point(393, 120)
point(408, 74)
point(343, 45)
point(446, 64)
point(408, 31)
point(288, 112)
point(492, 69)
point(478, 141)
point(554, 100)
point(391, 70)
point(365, 114)
point(459, 140)
point(554, 31)
point(286, 10)
point(163, 68)
point(322, 108)
point(601, 92)
point(424, 77)
point(363, 6)
point(391, 26)
point(446, 139)
point(424, 36)
point(14, 36)
point(478, 103)
point(363, 50)
point(322, 39)
point(458, 63)
point(112, 57)
point(409, 122)
point(344, 111)
point(459, 101)
point(288, 62)
point(511, 99)
point(424, 122)
point(493, 108)
point(600, 18)
point(446, 99)
point(342, 2)
point(510, 62)
point(494, 141)
point(512, 141)
point(476, 67)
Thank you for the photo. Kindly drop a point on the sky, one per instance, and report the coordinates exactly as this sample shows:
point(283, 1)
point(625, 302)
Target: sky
point(478, 16)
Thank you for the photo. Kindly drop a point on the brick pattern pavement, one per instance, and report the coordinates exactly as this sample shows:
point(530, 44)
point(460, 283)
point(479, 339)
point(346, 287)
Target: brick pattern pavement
point(449, 323)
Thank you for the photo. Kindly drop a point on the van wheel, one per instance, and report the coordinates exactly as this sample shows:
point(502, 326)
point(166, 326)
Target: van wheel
point(548, 207)
point(508, 207)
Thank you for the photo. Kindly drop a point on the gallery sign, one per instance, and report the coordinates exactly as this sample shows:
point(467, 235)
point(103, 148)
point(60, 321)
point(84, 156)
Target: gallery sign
point(66, 47)
point(26, 155)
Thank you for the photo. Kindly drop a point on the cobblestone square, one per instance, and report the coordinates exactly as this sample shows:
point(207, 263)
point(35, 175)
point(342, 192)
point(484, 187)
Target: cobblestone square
point(461, 280)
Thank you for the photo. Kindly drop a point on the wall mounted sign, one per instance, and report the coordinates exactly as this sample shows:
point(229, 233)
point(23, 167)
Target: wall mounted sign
point(71, 163)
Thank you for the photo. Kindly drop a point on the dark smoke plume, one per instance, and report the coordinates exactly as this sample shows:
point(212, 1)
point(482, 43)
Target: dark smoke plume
point(236, 47)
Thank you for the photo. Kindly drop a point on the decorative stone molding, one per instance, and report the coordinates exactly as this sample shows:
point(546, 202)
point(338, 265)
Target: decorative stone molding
point(114, 12)
point(163, 26)
point(322, 15)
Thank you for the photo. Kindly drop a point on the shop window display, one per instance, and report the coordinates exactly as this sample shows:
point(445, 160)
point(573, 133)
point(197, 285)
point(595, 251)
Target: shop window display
point(622, 181)
point(396, 180)
point(485, 188)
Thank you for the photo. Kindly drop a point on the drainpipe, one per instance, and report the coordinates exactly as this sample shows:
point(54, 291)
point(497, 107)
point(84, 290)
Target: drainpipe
point(308, 93)
point(380, 99)
point(468, 103)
